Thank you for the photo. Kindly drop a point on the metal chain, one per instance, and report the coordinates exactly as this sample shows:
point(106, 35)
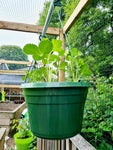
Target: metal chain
point(59, 16)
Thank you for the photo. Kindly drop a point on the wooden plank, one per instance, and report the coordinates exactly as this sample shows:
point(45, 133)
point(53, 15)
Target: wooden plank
point(15, 62)
point(2, 138)
point(2, 132)
point(9, 86)
point(63, 145)
point(80, 143)
point(19, 62)
point(76, 14)
point(27, 28)
point(68, 145)
point(55, 145)
point(59, 144)
point(38, 143)
point(62, 58)
point(12, 72)
point(4, 122)
point(73, 147)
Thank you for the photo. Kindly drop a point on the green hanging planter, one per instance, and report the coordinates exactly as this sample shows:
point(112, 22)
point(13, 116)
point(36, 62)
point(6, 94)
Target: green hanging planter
point(22, 144)
point(55, 109)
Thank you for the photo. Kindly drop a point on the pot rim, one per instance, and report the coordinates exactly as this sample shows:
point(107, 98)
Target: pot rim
point(54, 84)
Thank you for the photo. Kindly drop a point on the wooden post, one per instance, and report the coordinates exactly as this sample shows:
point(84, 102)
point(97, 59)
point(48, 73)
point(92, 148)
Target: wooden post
point(76, 14)
point(61, 77)
point(44, 144)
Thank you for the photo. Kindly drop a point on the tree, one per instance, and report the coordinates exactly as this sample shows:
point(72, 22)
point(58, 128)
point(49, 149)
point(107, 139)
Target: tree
point(92, 34)
point(9, 52)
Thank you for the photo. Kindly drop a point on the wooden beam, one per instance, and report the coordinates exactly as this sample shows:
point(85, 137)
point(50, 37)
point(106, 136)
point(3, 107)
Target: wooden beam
point(80, 143)
point(76, 14)
point(15, 62)
point(18, 62)
point(12, 72)
point(27, 28)
point(9, 86)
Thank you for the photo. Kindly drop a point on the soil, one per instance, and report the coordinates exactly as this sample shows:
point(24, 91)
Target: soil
point(8, 106)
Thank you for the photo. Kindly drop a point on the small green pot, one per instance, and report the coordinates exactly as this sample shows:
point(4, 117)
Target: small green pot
point(55, 109)
point(22, 144)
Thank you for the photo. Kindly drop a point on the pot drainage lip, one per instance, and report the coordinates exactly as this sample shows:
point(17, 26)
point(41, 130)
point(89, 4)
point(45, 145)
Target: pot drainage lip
point(54, 84)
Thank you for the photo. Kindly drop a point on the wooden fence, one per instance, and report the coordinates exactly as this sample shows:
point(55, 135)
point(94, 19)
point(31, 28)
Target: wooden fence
point(75, 143)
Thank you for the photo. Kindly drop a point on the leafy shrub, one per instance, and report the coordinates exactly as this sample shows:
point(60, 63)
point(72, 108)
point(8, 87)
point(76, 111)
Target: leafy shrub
point(98, 115)
point(33, 145)
point(22, 125)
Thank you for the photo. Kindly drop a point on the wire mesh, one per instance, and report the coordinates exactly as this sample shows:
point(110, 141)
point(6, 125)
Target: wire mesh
point(92, 34)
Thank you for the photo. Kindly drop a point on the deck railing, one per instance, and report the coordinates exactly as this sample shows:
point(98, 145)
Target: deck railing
point(75, 143)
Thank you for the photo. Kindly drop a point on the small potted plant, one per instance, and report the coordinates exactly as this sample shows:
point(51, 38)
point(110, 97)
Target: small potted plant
point(55, 108)
point(23, 137)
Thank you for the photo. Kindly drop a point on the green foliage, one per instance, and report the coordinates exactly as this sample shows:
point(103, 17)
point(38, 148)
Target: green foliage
point(33, 145)
point(10, 149)
point(9, 52)
point(22, 125)
point(105, 146)
point(69, 7)
point(91, 34)
point(98, 115)
point(76, 67)
point(47, 52)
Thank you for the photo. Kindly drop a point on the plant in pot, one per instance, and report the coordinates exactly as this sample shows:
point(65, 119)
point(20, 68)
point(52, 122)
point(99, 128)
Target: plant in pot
point(24, 137)
point(55, 108)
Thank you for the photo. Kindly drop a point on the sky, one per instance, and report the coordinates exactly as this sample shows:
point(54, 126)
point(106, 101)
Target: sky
point(22, 11)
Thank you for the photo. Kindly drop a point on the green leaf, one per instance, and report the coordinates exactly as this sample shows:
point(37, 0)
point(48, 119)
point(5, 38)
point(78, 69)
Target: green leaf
point(56, 43)
point(55, 64)
point(54, 72)
point(63, 64)
point(54, 58)
point(30, 49)
point(37, 57)
point(61, 52)
point(43, 71)
point(85, 71)
point(67, 57)
point(23, 78)
point(44, 61)
point(45, 46)
point(91, 129)
point(75, 52)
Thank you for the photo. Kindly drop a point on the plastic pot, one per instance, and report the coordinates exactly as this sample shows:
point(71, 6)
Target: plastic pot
point(55, 109)
point(22, 144)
